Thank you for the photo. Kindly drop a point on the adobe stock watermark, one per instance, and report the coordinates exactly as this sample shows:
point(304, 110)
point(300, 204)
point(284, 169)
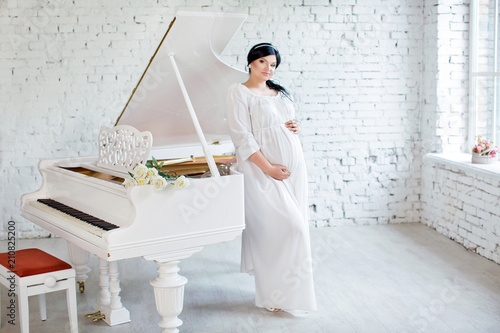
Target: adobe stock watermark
point(154, 77)
point(249, 324)
point(437, 306)
point(11, 262)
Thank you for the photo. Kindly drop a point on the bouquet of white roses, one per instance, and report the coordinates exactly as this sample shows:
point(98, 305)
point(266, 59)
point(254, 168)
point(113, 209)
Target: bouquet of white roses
point(152, 174)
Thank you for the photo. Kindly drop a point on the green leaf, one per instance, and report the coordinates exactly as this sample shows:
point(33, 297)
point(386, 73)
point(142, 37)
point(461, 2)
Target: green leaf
point(171, 176)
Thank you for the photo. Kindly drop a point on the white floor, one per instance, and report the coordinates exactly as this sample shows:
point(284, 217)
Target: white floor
point(386, 278)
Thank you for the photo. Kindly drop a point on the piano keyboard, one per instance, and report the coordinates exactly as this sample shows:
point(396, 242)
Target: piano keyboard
point(73, 216)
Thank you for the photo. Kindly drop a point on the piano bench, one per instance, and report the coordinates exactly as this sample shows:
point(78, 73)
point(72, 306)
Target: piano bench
point(34, 272)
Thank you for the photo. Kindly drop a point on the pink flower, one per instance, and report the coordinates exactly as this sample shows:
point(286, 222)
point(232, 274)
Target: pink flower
point(485, 147)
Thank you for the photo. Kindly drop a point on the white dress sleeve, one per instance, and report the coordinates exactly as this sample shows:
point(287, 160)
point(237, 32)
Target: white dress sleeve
point(238, 116)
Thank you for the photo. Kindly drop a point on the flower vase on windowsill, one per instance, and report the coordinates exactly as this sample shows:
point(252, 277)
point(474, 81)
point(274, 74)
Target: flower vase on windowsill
point(480, 159)
point(484, 152)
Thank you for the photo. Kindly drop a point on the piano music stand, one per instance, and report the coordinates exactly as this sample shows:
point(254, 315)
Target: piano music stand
point(36, 272)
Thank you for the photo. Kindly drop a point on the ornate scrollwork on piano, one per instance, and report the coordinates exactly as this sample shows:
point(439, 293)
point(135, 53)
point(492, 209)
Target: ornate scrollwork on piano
point(122, 147)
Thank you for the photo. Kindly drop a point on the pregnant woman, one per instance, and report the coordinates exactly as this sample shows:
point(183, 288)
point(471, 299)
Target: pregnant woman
point(275, 246)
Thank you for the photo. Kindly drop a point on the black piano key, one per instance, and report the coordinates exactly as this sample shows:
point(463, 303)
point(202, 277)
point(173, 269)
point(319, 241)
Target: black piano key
point(78, 213)
point(72, 213)
point(108, 226)
point(97, 222)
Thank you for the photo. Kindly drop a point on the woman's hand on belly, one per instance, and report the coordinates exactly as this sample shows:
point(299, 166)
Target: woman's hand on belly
point(277, 171)
point(293, 126)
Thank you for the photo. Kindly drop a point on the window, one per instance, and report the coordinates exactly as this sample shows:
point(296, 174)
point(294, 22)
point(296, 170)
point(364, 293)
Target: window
point(484, 98)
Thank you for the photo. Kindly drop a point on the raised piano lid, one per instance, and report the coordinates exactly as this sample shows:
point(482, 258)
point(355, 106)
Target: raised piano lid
point(196, 39)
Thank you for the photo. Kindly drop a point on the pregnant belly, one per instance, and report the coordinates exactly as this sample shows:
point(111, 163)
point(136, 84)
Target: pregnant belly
point(280, 146)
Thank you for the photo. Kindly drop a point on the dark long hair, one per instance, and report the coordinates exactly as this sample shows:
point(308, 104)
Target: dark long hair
point(263, 50)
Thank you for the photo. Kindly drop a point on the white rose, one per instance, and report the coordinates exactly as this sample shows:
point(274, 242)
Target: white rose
point(152, 173)
point(159, 183)
point(129, 182)
point(140, 171)
point(142, 181)
point(181, 182)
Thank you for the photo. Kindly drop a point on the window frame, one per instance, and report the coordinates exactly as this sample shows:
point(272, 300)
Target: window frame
point(474, 74)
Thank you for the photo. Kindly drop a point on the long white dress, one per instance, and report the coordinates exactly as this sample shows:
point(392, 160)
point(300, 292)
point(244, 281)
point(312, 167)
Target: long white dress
point(275, 246)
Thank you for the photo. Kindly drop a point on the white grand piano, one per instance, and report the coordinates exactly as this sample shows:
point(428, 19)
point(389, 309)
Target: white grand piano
point(176, 111)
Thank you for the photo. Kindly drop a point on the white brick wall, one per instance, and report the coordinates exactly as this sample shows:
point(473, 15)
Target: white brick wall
point(361, 141)
point(355, 67)
point(462, 204)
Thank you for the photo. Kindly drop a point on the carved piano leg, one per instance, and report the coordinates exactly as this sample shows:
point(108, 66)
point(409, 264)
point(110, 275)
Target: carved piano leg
point(80, 259)
point(169, 287)
point(110, 304)
point(104, 294)
point(169, 295)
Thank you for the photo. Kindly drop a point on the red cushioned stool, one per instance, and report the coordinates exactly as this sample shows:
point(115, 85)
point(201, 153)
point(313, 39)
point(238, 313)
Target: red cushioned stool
point(34, 272)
